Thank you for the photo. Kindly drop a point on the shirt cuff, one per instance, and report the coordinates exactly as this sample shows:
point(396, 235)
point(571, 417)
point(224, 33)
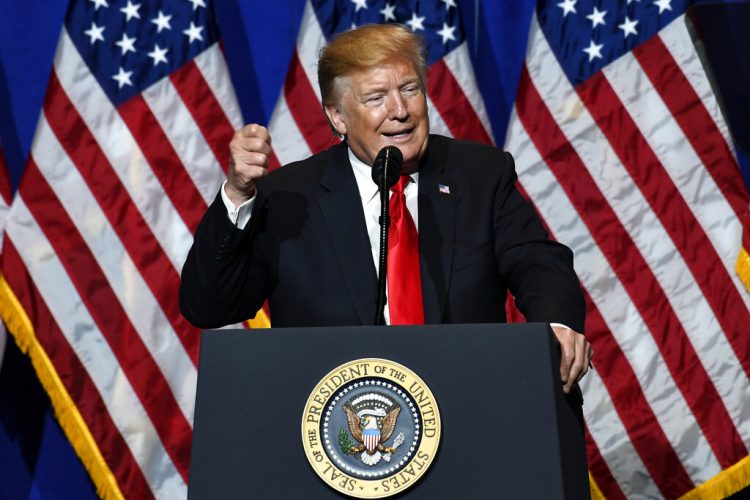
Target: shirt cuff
point(560, 324)
point(239, 215)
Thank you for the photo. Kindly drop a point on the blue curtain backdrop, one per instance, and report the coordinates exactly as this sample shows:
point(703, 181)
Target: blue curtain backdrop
point(36, 460)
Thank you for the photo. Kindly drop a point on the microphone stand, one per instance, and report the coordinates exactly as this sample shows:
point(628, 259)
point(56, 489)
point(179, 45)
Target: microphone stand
point(385, 221)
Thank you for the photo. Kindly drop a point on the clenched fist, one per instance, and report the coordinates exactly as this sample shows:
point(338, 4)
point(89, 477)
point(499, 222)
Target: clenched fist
point(250, 149)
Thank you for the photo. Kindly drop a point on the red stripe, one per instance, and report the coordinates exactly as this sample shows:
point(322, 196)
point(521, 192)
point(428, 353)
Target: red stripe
point(75, 378)
point(5, 191)
point(453, 105)
point(306, 109)
point(670, 207)
point(643, 429)
point(156, 148)
point(599, 470)
point(205, 110)
point(632, 271)
point(101, 302)
point(694, 120)
point(143, 248)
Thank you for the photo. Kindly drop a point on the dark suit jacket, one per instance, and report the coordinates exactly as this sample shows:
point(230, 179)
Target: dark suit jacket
point(306, 249)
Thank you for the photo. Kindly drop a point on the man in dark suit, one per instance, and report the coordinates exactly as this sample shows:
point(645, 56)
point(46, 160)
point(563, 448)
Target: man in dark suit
point(305, 237)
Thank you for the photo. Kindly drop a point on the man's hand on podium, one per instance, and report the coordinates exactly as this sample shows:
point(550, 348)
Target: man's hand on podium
point(575, 355)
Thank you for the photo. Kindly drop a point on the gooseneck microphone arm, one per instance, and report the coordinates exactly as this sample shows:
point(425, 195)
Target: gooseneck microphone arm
point(385, 172)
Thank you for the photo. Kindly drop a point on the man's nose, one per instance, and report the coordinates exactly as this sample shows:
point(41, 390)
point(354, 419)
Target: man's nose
point(397, 107)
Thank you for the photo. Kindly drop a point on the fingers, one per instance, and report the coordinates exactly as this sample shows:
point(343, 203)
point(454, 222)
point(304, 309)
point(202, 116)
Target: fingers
point(575, 356)
point(250, 149)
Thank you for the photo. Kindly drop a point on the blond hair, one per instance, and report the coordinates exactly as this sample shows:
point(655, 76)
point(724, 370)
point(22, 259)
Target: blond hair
point(365, 47)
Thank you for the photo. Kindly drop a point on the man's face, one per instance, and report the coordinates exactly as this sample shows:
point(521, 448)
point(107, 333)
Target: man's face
point(382, 106)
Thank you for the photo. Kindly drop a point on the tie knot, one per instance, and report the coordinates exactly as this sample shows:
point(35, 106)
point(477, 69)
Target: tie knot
point(403, 181)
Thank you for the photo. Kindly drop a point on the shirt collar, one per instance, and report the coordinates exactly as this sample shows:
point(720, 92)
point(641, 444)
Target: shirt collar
point(363, 175)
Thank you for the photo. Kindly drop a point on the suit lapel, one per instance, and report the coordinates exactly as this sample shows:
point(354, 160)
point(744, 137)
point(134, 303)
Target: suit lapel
point(342, 211)
point(436, 228)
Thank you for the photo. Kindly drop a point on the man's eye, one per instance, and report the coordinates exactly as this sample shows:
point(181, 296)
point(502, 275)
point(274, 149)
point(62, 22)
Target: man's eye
point(374, 100)
point(411, 90)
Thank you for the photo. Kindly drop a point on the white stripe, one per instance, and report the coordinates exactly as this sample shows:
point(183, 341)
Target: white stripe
point(94, 353)
point(287, 140)
point(649, 236)
point(612, 440)
point(121, 150)
point(437, 124)
point(213, 67)
point(459, 64)
point(122, 274)
point(185, 137)
point(715, 216)
point(677, 40)
point(309, 43)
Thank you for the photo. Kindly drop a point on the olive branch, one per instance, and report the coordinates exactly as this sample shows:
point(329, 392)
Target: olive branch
point(344, 442)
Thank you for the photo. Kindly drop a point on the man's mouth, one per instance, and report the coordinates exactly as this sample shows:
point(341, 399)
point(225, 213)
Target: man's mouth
point(399, 134)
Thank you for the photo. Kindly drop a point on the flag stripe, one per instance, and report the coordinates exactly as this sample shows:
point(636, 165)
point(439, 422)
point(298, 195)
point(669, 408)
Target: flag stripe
point(305, 108)
point(202, 103)
point(80, 387)
point(185, 138)
point(213, 67)
point(161, 277)
point(107, 313)
point(287, 141)
point(625, 260)
point(452, 104)
point(157, 150)
point(121, 273)
point(122, 152)
point(598, 468)
point(64, 301)
point(309, 43)
point(698, 253)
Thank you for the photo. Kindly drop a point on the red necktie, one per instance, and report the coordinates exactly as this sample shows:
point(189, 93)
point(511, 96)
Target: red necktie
point(404, 282)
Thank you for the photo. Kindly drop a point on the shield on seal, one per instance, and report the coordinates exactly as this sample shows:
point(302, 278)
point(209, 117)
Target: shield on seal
point(371, 438)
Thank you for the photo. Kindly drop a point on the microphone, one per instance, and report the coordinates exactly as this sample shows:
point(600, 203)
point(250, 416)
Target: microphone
point(387, 166)
point(385, 172)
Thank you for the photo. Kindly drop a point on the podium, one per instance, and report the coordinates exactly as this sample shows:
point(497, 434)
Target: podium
point(508, 430)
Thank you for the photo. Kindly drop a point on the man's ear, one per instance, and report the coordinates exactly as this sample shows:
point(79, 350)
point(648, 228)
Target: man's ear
point(336, 119)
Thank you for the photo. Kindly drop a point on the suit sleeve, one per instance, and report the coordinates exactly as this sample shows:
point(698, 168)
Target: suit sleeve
point(539, 272)
point(224, 279)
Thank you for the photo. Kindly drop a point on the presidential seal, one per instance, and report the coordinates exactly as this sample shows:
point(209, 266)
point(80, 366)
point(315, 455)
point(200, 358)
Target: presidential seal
point(370, 428)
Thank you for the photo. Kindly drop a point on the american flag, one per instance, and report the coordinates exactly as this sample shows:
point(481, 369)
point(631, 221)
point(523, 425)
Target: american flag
point(620, 145)
point(130, 149)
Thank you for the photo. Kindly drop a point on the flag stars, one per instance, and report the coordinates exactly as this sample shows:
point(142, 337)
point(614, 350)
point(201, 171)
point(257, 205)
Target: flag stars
point(388, 12)
point(628, 27)
point(123, 78)
point(568, 6)
point(416, 22)
point(99, 3)
point(360, 4)
point(447, 33)
point(95, 33)
point(594, 51)
point(194, 32)
point(663, 5)
point(597, 17)
point(159, 55)
point(197, 3)
point(162, 22)
point(131, 11)
point(449, 4)
point(126, 44)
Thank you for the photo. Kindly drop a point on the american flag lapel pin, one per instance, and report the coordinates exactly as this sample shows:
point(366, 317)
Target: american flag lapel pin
point(444, 189)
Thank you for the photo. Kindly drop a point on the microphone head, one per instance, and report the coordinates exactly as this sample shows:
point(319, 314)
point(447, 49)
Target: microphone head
point(387, 163)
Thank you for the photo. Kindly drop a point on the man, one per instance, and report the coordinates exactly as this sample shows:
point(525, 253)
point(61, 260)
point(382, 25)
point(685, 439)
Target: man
point(306, 236)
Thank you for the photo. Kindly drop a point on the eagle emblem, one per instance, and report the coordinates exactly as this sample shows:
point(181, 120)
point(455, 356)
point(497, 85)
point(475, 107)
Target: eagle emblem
point(371, 419)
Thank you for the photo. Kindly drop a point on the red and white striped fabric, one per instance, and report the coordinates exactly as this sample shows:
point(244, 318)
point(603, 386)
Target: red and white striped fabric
point(634, 169)
point(95, 240)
